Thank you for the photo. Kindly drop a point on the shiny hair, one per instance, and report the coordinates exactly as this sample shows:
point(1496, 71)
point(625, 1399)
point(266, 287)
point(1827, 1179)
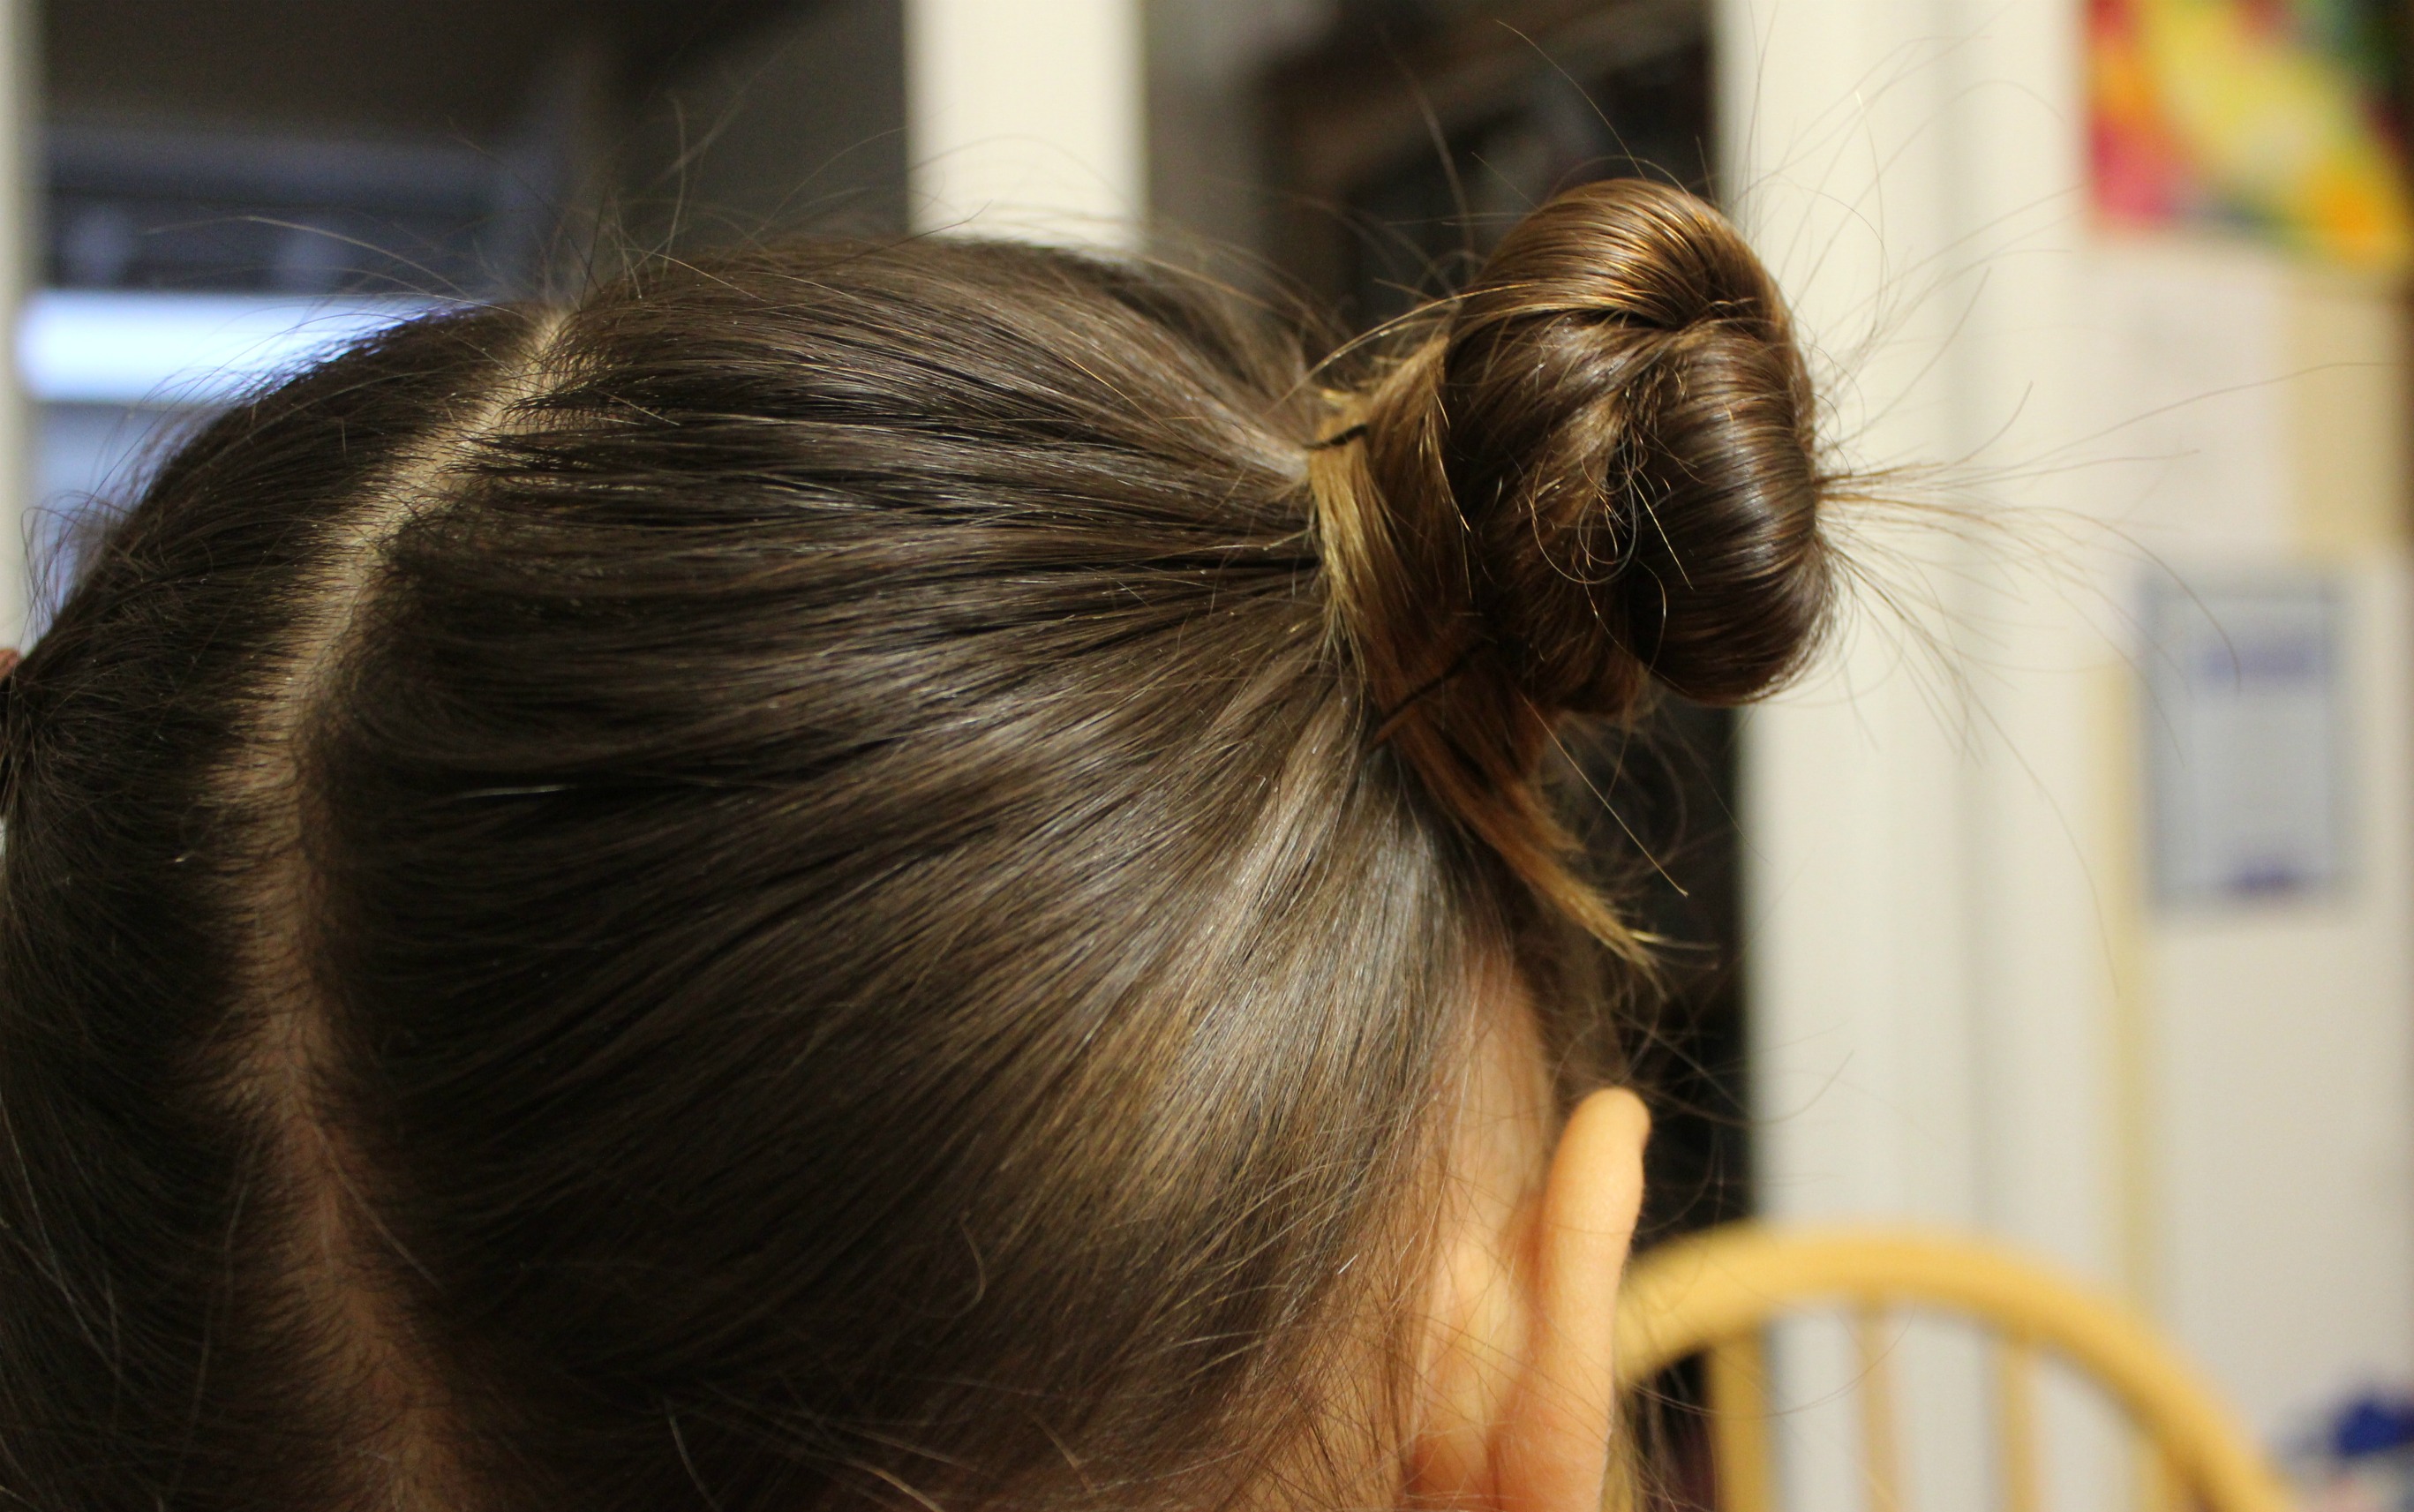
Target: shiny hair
point(850, 873)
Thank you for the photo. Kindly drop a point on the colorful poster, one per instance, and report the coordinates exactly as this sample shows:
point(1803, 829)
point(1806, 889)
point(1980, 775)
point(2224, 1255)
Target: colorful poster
point(2273, 116)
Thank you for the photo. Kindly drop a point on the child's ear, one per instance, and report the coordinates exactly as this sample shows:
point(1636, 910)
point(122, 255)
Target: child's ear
point(1526, 1393)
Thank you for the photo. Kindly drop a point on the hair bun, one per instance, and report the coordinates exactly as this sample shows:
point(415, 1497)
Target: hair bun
point(1615, 426)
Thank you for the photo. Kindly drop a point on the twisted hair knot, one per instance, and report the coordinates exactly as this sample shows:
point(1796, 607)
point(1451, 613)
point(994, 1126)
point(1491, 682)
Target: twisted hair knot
point(1596, 471)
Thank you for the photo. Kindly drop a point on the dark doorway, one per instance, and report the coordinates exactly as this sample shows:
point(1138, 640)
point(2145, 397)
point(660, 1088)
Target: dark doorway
point(1401, 147)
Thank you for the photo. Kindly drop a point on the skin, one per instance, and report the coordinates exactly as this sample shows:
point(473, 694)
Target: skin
point(1517, 1408)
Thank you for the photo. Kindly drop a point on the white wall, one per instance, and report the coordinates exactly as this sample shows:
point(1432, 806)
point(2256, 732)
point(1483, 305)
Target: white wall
point(1918, 1055)
point(1923, 787)
point(1968, 1010)
point(2277, 1208)
point(19, 247)
point(1026, 117)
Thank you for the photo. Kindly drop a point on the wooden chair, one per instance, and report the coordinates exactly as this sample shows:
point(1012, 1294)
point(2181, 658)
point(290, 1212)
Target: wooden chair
point(1715, 1294)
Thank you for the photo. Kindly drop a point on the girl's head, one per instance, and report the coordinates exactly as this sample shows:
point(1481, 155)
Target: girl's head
point(918, 874)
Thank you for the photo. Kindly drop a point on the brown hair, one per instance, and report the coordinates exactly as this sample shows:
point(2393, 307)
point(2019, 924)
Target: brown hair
point(828, 876)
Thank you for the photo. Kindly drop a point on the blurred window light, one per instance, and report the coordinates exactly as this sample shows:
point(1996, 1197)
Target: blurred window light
point(142, 348)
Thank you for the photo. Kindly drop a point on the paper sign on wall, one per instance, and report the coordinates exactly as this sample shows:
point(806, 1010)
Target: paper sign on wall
point(2245, 736)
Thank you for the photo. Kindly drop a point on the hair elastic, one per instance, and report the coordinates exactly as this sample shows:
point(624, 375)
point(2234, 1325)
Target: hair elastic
point(1399, 714)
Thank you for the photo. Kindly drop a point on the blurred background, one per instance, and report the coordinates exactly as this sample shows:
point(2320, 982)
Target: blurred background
point(2072, 903)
